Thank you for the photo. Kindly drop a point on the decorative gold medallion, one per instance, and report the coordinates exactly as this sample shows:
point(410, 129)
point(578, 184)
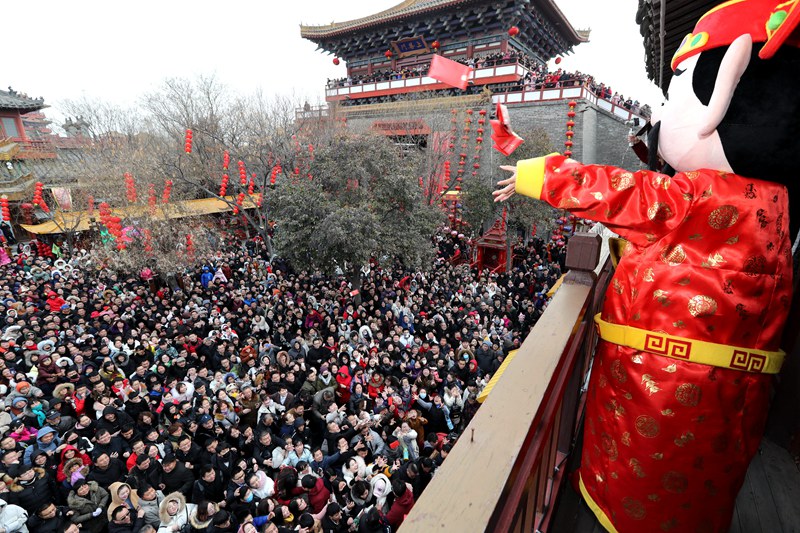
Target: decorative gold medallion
point(701, 306)
point(622, 181)
point(634, 508)
point(647, 426)
point(723, 217)
point(689, 394)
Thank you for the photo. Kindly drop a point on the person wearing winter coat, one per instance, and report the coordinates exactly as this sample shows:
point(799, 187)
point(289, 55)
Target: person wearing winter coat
point(174, 513)
point(46, 441)
point(122, 494)
point(88, 500)
point(150, 500)
point(12, 518)
point(403, 502)
point(123, 520)
point(31, 489)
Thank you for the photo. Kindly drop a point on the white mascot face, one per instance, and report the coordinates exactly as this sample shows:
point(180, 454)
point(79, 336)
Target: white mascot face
point(688, 138)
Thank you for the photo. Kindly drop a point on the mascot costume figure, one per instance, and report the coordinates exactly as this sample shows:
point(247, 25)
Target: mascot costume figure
point(692, 320)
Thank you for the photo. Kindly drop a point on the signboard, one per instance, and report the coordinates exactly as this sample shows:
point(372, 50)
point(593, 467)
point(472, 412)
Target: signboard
point(410, 46)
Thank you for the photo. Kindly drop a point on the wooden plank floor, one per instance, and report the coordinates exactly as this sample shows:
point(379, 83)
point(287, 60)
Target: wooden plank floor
point(769, 501)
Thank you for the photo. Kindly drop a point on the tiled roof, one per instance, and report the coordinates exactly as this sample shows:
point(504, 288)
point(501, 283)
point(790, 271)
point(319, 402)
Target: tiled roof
point(403, 9)
point(13, 100)
point(409, 8)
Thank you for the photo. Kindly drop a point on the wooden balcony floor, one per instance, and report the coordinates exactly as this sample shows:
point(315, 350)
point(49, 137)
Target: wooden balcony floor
point(769, 501)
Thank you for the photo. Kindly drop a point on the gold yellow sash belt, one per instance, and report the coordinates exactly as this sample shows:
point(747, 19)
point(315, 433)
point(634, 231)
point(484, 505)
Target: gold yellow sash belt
point(706, 353)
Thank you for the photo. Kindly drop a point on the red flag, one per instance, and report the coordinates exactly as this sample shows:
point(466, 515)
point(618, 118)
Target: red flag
point(505, 140)
point(450, 72)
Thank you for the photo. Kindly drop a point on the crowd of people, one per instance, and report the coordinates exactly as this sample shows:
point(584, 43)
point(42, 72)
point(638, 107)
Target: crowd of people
point(537, 78)
point(242, 396)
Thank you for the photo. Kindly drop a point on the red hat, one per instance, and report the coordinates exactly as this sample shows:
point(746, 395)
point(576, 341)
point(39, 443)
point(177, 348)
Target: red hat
point(767, 21)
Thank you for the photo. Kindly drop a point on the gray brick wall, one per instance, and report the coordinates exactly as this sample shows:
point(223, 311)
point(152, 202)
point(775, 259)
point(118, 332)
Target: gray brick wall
point(610, 135)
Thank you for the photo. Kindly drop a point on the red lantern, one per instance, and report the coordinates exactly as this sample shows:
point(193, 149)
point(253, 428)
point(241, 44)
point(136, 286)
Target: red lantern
point(167, 192)
point(513, 31)
point(568, 144)
point(435, 45)
point(570, 123)
point(335, 60)
point(226, 160)
point(570, 133)
point(388, 54)
point(558, 60)
point(568, 153)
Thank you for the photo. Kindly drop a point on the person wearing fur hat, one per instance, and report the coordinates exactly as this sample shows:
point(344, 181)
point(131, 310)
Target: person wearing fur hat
point(174, 513)
point(31, 489)
point(122, 494)
point(88, 501)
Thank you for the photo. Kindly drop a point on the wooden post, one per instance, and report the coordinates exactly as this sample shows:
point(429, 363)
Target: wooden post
point(583, 254)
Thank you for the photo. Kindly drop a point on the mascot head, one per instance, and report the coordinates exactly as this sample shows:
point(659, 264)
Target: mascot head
point(734, 100)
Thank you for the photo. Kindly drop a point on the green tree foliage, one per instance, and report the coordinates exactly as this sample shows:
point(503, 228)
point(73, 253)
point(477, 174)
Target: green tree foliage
point(360, 200)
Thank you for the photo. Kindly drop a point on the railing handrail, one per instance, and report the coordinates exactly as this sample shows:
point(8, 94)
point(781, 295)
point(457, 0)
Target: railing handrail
point(521, 429)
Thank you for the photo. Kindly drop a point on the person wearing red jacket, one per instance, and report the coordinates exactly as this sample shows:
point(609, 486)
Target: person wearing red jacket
point(318, 494)
point(403, 502)
point(55, 302)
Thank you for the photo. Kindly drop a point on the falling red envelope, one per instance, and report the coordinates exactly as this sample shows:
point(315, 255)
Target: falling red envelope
point(505, 140)
point(450, 72)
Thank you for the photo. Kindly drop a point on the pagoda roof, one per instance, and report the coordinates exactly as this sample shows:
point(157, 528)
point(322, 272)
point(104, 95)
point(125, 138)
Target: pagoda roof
point(414, 8)
point(11, 99)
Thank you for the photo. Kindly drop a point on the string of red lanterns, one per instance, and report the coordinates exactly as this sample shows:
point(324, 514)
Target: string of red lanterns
point(226, 160)
point(130, 188)
point(4, 208)
point(570, 125)
point(167, 192)
point(90, 205)
point(148, 241)
point(38, 198)
point(187, 145)
point(223, 186)
point(242, 174)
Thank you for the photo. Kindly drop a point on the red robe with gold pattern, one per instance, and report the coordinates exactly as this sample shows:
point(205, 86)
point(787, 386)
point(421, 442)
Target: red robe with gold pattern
point(667, 442)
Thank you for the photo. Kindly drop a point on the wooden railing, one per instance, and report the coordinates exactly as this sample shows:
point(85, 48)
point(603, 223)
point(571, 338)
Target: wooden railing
point(507, 469)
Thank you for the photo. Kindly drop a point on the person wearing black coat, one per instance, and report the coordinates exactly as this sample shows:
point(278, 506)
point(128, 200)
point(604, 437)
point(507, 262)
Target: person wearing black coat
point(32, 489)
point(209, 487)
point(51, 519)
point(177, 478)
point(122, 521)
point(106, 470)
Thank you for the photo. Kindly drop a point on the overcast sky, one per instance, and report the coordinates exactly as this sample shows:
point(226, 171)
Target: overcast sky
point(118, 51)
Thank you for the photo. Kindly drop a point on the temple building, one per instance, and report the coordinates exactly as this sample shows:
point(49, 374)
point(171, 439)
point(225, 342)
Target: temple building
point(508, 43)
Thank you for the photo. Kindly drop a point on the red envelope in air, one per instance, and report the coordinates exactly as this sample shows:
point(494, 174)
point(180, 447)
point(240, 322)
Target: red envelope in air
point(450, 72)
point(505, 140)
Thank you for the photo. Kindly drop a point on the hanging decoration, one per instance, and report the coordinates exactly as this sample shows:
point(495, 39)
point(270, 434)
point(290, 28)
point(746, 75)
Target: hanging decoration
point(226, 160)
point(167, 192)
point(4, 208)
point(148, 241)
point(38, 198)
point(90, 206)
point(388, 54)
point(242, 174)
point(570, 131)
point(239, 203)
point(189, 246)
point(130, 188)
point(513, 31)
point(223, 187)
point(187, 145)
point(435, 46)
point(251, 186)
point(336, 61)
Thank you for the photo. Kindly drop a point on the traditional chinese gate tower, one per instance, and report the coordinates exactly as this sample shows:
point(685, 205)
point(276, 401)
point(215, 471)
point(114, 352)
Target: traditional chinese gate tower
point(406, 36)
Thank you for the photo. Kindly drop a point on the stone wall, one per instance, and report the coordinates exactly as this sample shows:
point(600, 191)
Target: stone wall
point(600, 137)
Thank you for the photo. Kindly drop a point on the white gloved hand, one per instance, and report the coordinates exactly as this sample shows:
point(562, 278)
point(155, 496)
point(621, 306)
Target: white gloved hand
point(97, 512)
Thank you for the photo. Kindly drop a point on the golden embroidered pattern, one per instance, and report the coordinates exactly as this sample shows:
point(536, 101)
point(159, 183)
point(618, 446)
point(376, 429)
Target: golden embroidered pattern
point(647, 426)
point(723, 217)
point(688, 394)
point(673, 255)
point(700, 306)
point(659, 212)
point(622, 181)
point(634, 508)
